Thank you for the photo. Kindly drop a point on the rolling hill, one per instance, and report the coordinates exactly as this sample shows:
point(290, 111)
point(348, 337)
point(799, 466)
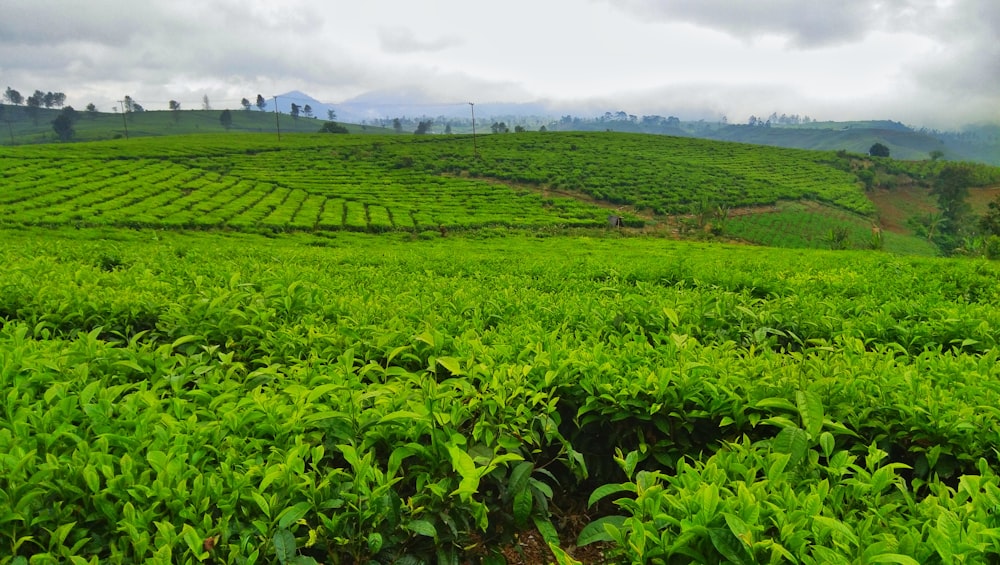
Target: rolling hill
point(242, 181)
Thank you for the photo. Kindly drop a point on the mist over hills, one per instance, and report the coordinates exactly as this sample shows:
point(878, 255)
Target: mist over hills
point(973, 143)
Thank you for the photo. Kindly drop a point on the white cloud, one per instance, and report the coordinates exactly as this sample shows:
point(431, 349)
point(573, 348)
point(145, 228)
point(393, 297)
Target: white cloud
point(920, 61)
point(403, 40)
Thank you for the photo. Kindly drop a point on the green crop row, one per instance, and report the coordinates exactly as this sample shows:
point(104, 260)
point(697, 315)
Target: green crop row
point(176, 398)
point(207, 185)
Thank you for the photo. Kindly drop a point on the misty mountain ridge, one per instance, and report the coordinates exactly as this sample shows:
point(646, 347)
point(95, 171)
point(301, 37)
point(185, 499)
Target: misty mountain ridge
point(973, 143)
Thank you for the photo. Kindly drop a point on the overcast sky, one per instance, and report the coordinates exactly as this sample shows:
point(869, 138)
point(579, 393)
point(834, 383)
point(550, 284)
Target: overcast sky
point(923, 62)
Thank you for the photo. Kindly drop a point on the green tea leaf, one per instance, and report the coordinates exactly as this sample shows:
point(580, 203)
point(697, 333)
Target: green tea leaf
point(596, 530)
point(92, 479)
point(780, 403)
point(453, 365)
point(893, 558)
point(523, 503)
point(423, 528)
point(730, 546)
point(826, 443)
point(609, 489)
point(810, 408)
point(519, 477)
point(284, 545)
point(291, 515)
point(548, 531)
point(792, 441)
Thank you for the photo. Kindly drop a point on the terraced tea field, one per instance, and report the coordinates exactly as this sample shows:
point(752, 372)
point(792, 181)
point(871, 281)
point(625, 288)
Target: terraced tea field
point(397, 183)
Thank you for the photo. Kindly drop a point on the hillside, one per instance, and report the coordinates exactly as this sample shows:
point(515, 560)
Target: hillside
point(21, 129)
point(679, 186)
point(978, 144)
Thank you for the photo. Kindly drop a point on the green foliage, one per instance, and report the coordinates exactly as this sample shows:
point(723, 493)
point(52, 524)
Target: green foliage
point(878, 150)
point(951, 189)
point(989, 223)
point(237, 398)
point(332, 127)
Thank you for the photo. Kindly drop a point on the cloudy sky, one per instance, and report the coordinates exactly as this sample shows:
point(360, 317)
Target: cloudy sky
point(923, 62)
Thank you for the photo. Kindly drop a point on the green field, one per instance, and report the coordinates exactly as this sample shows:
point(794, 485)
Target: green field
point(813, 225)
point(183, 398)
point(391, 349)
point(402, 182)
point(18, 128)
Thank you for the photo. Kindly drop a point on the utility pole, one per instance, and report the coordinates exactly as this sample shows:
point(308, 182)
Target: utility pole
point(124, 120)
point(277, 124)
point(475, 148)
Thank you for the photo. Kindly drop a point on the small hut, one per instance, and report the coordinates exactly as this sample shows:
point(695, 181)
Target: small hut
point(615, 221)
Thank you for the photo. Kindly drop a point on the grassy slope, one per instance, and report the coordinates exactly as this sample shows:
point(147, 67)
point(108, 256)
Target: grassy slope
point(101, 125)
point(903, 144)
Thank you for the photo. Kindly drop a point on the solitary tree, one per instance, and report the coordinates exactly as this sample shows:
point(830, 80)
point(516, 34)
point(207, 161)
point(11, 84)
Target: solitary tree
point(936, 154)
point(331, 115)
point(246, 104)
point(226, 119)
point(295, 110)
point(878, 150)
point(261, 103)
point(397, 125)
point(13, 96)
point(990, 222)
point(91, 109)
point(307, 110)
point(205, 105)
point(951, 189)
point(175, 109)
point(63, 124)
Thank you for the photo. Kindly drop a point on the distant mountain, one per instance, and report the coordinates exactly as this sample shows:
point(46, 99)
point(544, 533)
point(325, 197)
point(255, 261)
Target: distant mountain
point(977, 144)
point(407, 103)
point(319, 109)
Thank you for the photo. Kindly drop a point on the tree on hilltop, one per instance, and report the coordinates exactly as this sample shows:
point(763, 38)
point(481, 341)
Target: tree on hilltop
point(205, 105)
point(63, 124)
point(261, 103)
point(246, 104)
point(331, 115)
point(132, 106)
point(35, 101)
point(13, 96)
point(295, 110)
point(57, 99)
point(175, 109)
point(307, 110)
